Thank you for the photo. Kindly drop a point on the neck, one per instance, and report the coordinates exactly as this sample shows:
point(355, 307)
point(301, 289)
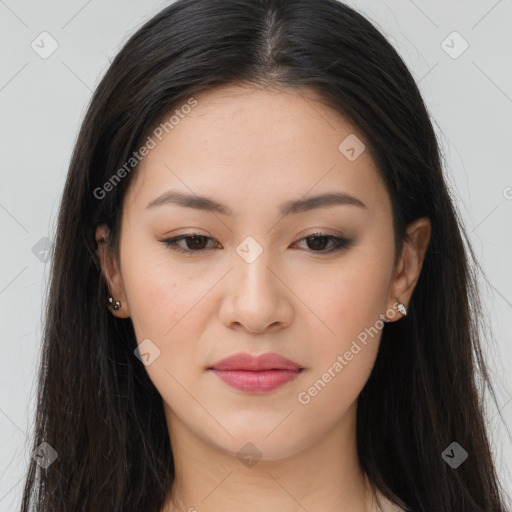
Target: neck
point(323, 476)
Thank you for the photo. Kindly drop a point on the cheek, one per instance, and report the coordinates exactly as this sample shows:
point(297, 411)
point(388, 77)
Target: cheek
point(328, 394)
point(346, 344)
point(153, 301)
point(348, 327)
point(171, 308)
point(349, 303)
point(158, 297)
point(168, 310)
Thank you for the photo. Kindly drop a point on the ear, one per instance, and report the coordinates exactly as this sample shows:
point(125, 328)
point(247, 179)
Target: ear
point(110, 273)
point(410, 264)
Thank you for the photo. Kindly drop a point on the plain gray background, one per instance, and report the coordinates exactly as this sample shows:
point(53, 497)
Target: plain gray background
point(43, 100)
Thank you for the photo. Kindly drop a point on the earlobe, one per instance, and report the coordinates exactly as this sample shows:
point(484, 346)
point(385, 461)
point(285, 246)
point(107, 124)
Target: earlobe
point(399, 307)
point(115, 299)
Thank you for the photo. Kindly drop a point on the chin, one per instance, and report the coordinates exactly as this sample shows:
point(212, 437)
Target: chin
point(251, 447)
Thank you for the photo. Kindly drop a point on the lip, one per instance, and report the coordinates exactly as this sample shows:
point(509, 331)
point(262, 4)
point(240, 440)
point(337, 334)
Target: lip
point(246, 361)
point(256, 374)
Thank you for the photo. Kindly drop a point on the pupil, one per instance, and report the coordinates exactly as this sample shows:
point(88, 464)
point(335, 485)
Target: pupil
point(315, 239)
point(196, 240)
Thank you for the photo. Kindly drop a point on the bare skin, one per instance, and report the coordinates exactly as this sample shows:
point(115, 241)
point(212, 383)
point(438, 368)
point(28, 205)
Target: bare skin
point(251, 150)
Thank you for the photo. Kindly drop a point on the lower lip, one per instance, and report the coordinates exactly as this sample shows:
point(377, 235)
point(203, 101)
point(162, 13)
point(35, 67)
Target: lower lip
point(256, 381)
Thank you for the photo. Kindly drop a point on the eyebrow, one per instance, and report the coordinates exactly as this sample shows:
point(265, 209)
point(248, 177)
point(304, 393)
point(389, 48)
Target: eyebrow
point(287, 208)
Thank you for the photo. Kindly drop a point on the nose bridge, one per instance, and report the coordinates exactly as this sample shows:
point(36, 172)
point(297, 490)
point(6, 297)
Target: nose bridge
point(254, 277)
point(256, 300)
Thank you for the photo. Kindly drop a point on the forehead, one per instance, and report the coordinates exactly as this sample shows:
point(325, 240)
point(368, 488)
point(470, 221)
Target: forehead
point(262, 146)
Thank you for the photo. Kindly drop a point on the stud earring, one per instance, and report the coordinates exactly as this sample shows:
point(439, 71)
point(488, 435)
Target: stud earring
point(400, 308)
point(115, 306)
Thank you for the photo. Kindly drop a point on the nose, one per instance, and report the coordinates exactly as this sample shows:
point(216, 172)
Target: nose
point(257, 299)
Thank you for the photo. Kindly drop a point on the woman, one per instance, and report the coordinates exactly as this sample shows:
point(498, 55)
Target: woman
point(260, 295)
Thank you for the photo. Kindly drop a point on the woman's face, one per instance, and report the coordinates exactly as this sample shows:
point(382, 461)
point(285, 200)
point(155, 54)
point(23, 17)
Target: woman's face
point(255, 279)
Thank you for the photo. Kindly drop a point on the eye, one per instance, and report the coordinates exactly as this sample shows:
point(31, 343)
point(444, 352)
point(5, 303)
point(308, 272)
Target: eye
point(318, 242)
point(193, 242)
point(197, 243)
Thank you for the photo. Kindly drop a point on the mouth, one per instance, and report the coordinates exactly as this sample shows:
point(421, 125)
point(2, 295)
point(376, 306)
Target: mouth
point(256, 374)
point(258, 381)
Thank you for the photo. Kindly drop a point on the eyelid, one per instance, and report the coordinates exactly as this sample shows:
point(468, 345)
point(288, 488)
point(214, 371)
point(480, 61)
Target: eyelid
point(340, 242)
point(320, 232)
point(172, 243)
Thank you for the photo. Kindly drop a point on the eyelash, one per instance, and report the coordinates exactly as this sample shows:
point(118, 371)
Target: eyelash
point(339, 243)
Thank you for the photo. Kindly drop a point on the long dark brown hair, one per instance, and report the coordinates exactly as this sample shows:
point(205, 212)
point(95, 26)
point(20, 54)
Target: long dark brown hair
point(97, 407)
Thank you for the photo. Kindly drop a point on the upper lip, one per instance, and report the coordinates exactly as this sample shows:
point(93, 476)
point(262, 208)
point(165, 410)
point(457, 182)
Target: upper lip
point(267, 361)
